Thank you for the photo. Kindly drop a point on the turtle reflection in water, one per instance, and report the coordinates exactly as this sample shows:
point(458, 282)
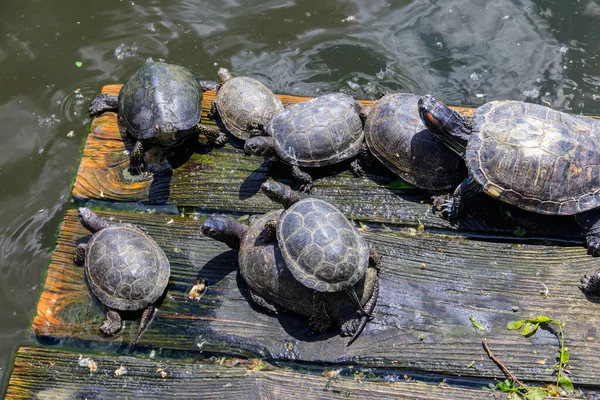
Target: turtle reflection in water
point(315, 291)
point(125, 269)
point(528, 155)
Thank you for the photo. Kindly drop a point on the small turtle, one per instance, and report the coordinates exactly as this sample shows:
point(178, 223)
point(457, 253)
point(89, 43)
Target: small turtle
point(322, 131)
point(319, 246)
point(125, 269)
point(244, 105)
point(396, 136)
point(528, 155)
point(272, 285)
point(160, 106)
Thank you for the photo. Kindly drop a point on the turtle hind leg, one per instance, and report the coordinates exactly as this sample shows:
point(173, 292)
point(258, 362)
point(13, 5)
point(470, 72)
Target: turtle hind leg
point(349, 327)
point(453, 206)
point(263, 303)
point(589, 222)
point(146, 316)
point(112, 323)
point(104, 102)
point(136, 159)
point(304, 179)
point(79, 256)
point(356, 167)
point(319, 320)
point(590, 285)
point(351, 292)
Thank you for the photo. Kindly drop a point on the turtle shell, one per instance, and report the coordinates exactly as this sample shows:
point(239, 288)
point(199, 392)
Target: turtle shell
point(536, 158)
point(125, 268)
point(160, 93)
point(396, 136)
point(243, 100)
point(263, 268)
point(320, 247)
point(318, 132)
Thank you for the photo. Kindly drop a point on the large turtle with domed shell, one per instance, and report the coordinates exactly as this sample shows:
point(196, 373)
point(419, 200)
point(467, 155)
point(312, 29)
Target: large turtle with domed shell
point(244, 105)
point(322, 131)
point(528, 155)
point(124, 267)
point(160, 105)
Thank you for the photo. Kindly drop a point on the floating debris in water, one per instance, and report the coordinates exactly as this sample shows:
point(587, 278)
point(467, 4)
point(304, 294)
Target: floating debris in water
point(349, 18)
point(48, 122)
point(151, 28)
point(70, 134)
point(532, 93)
point(124, 51)
point(475, 76)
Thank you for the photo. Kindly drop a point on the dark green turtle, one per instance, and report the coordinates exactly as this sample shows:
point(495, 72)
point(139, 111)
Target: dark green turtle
point(322, 131)
point(528, 155)
point(244, 105)
point(396, 136)
point(125, 269)
point(320, 247)
point(160, 106)
point(272, 285)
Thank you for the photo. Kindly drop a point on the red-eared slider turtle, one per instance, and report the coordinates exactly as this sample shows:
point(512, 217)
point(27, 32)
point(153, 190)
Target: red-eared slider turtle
point(322, 131)
point(160, 106)
point(244, 105)
point(528, 155)
point(125, 269)
point(396, 136)
point(320, 247)
point(272, 285)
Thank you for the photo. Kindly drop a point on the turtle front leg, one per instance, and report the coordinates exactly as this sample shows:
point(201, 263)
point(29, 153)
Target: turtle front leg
point(453, 206)
point(213, 134)
point(304, 180)
point(590, 285)
point(136, 159)
point(263, 303)
point(112, 323)
point(104, 102)
point(79, 256)
point(589, 222)
point(256, 129)
point(268, 233)
point(356, 168)
point(213, 112)
point(319, 320)
point(146, 316)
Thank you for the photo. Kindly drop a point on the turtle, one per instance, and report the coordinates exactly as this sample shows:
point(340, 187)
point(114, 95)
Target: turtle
point(527, 155)
point(160, 105)
point(124, 267)
point(244, 105)
point(396, 136)
point(319, 246)
point(273, 287)
point(322, 131)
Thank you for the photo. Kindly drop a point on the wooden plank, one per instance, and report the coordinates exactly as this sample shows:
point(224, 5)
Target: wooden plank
point(432, 282)
point(50, 374)
point(228, 180)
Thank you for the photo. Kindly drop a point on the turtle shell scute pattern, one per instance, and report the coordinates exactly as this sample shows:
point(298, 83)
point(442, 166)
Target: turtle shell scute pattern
point(536, 158)
point(244, 100)
point(320, 246)
point(125, 268)
point(159, 93)
point(318, 132)
point(397, 137)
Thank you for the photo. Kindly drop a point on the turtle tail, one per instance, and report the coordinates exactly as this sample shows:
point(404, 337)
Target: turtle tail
point(369, 307)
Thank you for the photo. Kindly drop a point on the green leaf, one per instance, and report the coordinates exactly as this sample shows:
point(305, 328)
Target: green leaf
point(79, 64)
point(565, 383)
point(539, 319)
point(536, 394)
point(505, 386)
point(530, 329)
point(244, 217)
point(519, 231)
point(398, 184)
point(564, 355)
point(478, 325)
point(516, 325)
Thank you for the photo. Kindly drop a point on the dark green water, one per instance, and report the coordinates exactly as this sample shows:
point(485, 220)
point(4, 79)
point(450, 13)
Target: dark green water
point(463, 51)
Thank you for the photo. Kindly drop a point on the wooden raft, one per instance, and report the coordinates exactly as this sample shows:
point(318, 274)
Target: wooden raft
point(436, 277)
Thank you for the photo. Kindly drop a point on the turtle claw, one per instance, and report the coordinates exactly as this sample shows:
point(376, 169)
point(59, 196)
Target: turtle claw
point(305, 188)
point(590, 285)
point(446, 205)
point(593, 245)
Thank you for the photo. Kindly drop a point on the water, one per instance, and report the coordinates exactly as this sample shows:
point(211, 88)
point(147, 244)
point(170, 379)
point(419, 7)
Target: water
point(463, 51)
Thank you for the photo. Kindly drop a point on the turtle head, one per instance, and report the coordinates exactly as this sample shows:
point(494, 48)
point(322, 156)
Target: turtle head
point(224, 75)
point(260, 146)
point(446, 124)
point(90, 220)
point(279, 193)
point(224, 230)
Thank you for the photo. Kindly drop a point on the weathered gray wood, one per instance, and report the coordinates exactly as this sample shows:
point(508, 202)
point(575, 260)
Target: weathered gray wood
point(431, 283)
point(49, 374)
